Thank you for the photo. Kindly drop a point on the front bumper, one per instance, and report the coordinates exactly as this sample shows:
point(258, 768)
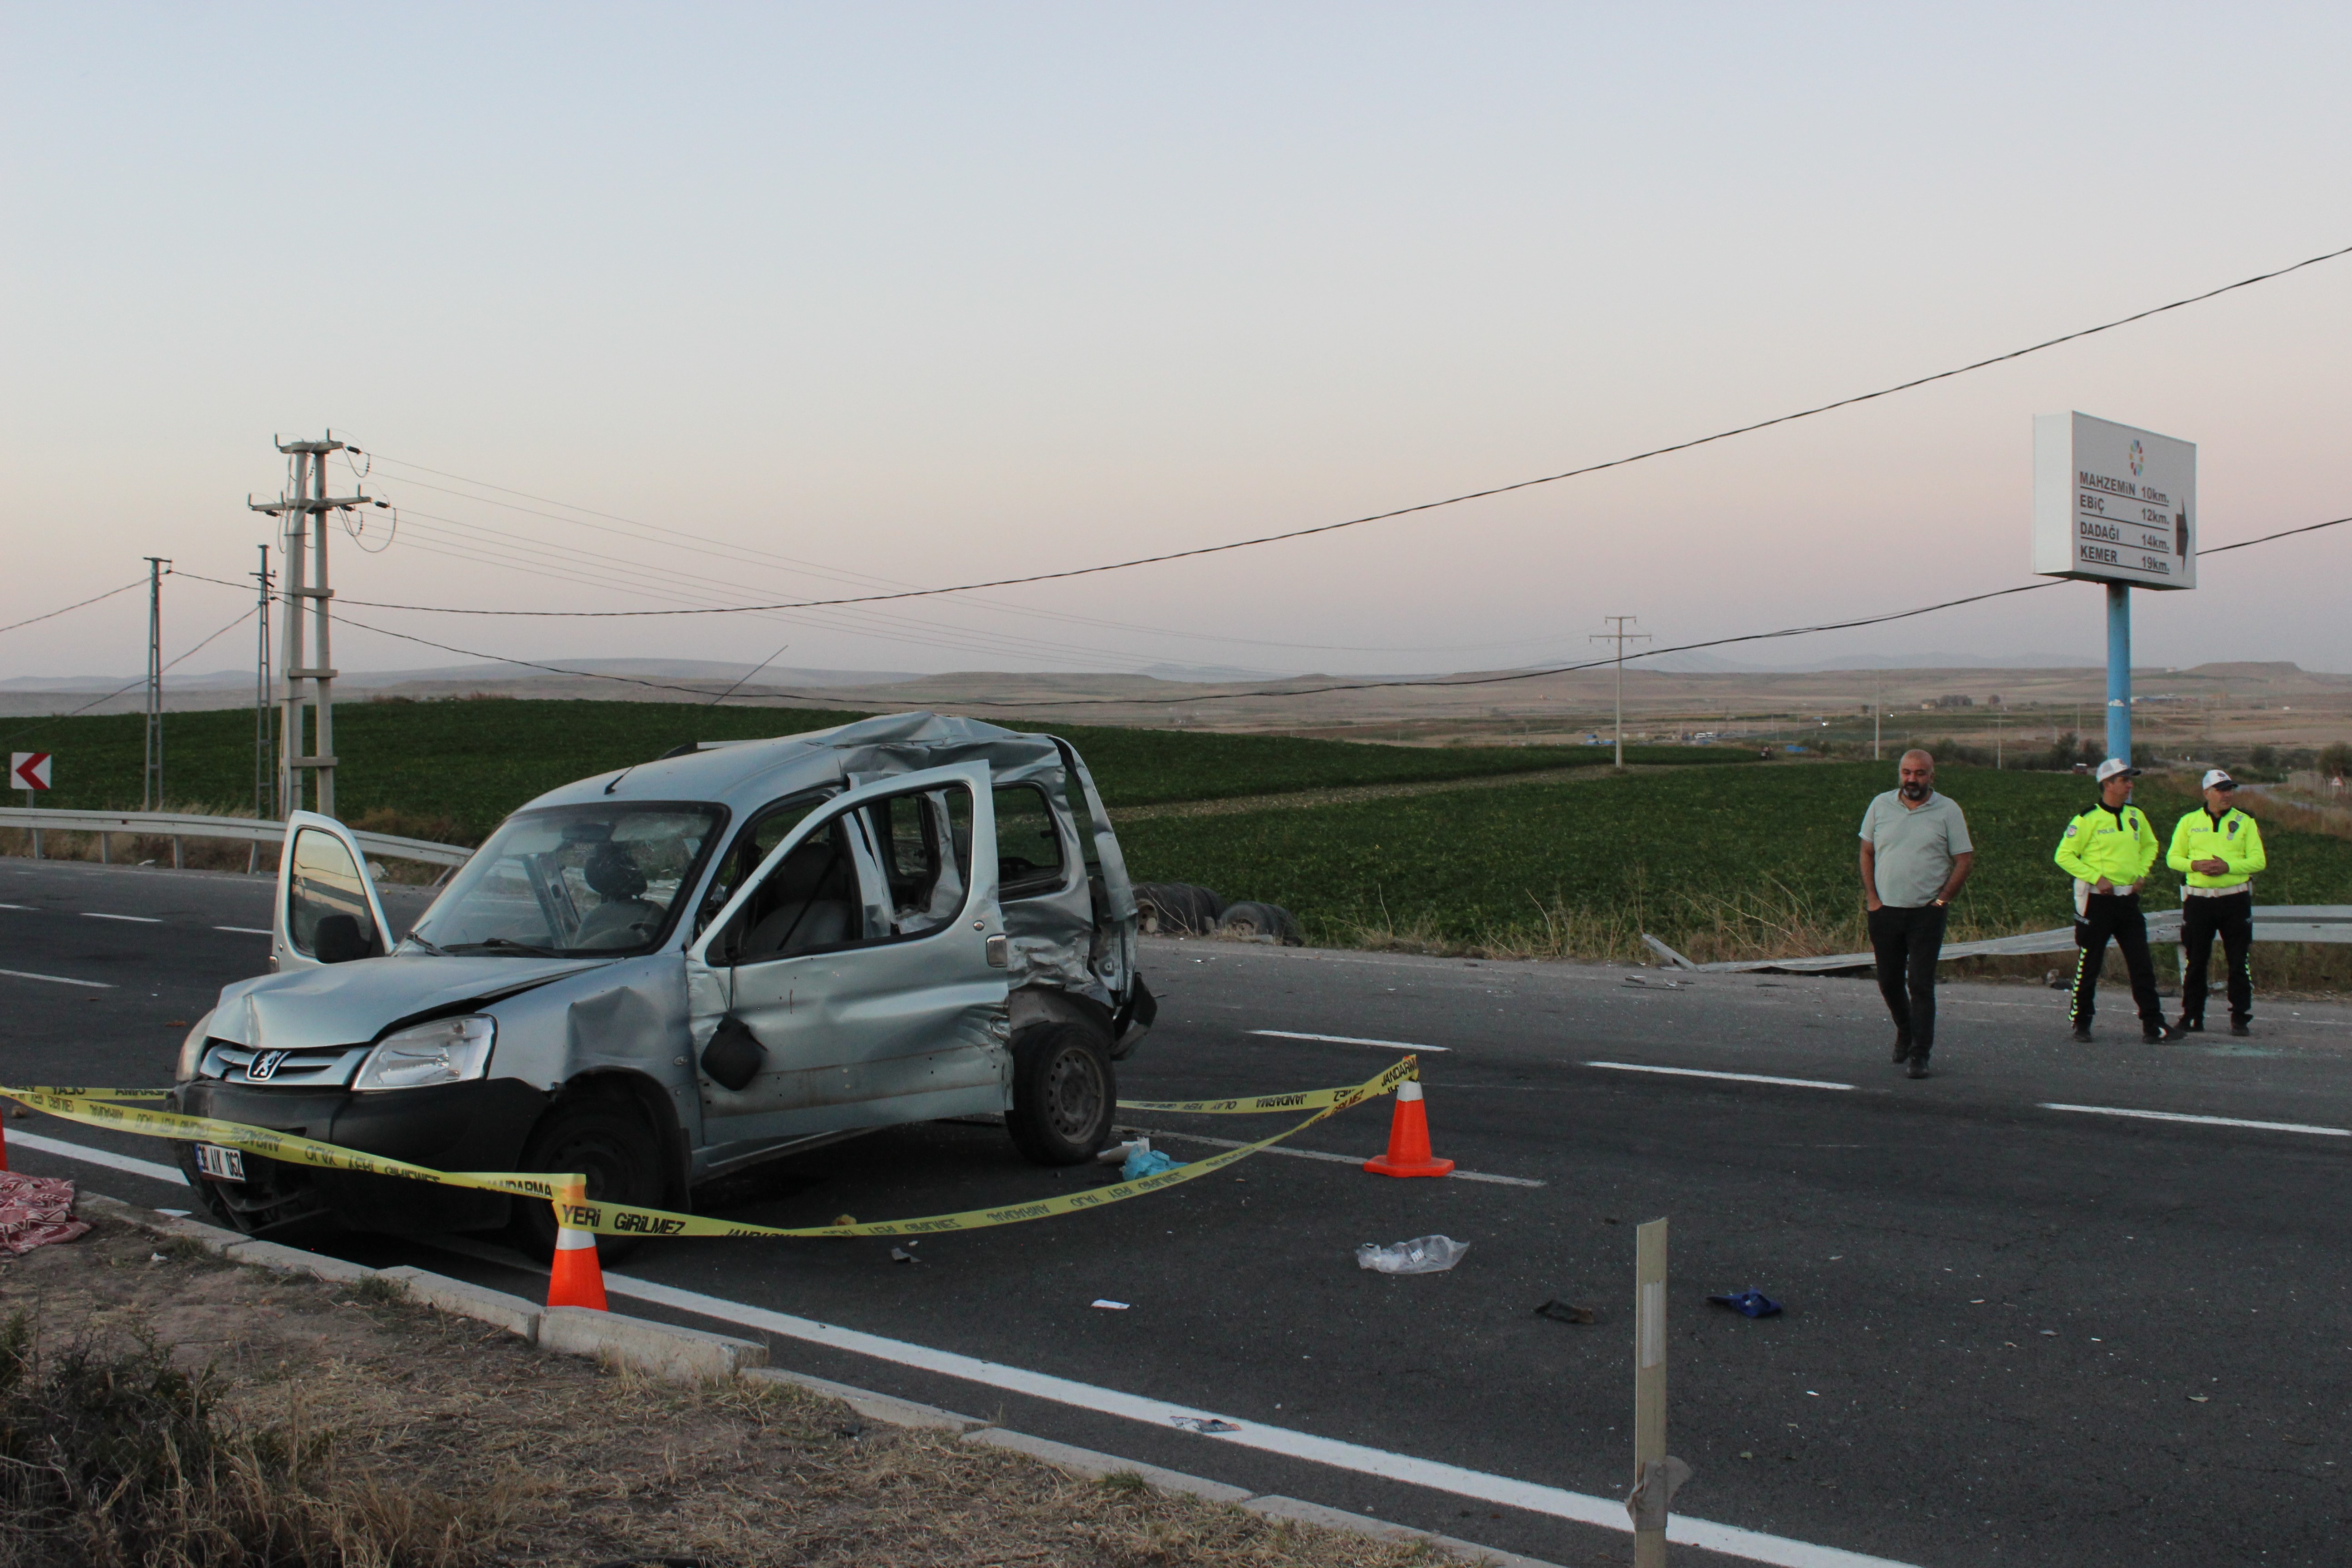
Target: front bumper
point(477, 1126)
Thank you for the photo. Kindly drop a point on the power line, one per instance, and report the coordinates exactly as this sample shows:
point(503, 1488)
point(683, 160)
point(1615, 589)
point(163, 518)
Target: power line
point(53, 614)
point(1400, 511)
point(1317, 690)
point(1594, 663)
point(52, 717)
point(744, 554)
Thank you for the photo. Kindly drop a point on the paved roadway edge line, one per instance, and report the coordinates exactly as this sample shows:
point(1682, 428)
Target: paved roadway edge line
point(133, 920)
point(1607, 1513)
point(1343, 1040)
point(2202, 1120)
point(57, 979)
point(1735, 1077)
point(106, 1157)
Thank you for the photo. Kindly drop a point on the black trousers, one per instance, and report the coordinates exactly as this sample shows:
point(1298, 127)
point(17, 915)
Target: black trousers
point(2232, 919)
point(2115, 916)
point(1906, 943)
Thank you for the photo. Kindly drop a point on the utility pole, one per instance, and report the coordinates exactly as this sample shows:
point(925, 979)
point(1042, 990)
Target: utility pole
point(1621, 637)
point(264, 767)
point(305, 514)
point(1877, 710)
point(151, 784)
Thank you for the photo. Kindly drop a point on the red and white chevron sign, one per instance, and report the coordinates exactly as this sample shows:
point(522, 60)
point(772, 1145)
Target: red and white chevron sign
point(28, 770)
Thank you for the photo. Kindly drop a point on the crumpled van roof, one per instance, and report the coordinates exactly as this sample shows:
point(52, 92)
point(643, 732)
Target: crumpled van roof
point(745, 773)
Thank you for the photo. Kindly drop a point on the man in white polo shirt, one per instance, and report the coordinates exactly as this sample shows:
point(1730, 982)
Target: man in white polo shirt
point(1916, 854)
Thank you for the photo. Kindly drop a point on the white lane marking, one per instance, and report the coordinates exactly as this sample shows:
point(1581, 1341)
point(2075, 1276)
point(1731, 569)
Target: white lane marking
point(1347, 1040)
point(247, 931)
point(112, 1162)
point(134, 919)
point(1734, 1077)
point(28, 909)
point(1458, 1175)
point(2202, 1120)
point(1608, 1513)
point(57, 979)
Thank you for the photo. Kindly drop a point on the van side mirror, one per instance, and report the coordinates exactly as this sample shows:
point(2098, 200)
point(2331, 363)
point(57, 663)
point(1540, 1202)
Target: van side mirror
point(337, 939)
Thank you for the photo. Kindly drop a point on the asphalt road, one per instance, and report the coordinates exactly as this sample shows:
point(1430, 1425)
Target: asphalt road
point(2014, 1333)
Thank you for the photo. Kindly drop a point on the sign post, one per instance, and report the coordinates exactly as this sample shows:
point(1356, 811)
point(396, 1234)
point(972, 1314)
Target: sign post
point(1658, 1475)
point(2115, 505)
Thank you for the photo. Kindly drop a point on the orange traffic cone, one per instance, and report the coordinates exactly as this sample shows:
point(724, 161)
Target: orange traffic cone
point(576, 1279)
point(1409, 1152)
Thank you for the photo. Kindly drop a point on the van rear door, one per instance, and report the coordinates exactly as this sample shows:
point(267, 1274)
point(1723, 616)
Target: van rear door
point(327, 910)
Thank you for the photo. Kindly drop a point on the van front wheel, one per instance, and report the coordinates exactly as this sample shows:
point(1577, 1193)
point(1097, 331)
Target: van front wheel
point(1064, 1094)
point(605, 1138)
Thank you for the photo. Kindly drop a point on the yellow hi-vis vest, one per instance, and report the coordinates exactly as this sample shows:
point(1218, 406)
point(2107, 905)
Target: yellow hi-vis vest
point(2235, 840)
point(2117, 845)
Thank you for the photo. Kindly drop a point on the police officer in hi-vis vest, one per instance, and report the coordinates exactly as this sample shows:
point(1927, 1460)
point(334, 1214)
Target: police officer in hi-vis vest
point(2218, 848)
point(2109, 851)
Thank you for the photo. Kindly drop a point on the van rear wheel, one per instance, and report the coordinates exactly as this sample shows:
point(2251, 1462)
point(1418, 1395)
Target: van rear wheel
point(1064, 1094)
point(605, 1138)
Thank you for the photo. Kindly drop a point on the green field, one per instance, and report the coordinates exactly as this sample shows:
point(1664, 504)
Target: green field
point(451, 770)
point(1721, 862)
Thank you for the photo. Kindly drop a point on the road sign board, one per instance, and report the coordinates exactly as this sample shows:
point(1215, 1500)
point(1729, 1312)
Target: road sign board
point(28, 770)
point(2113, 504)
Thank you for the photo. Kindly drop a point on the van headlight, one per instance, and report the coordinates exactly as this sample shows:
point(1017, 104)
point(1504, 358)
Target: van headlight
point(447, 1050)
point(192, 1049)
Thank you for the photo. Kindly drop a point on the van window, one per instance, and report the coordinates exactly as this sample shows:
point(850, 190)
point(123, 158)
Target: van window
point(811, 902)
point(575, 881)
point(757, 840)
point(323, 884)
point(1029, 859)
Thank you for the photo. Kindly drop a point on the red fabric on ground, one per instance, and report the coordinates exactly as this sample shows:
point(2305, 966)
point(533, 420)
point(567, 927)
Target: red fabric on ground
point(36, 1211)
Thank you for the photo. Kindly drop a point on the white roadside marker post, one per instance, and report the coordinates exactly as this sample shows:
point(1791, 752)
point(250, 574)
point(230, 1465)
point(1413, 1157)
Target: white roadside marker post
point(1656, 1475)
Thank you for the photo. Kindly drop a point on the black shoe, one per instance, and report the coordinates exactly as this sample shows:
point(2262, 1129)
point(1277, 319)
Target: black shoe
point(2240, 1026)
point(2162, 1032)
point(2191, 1025)
point(1902, 1048)
point(1918, 1067)
point(2082, 1035)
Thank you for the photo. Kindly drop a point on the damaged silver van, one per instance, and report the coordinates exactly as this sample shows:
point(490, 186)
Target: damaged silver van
point(663, 974)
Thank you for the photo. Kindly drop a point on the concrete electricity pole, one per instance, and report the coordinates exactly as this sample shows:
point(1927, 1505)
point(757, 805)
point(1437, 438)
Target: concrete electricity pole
point(151, 787)
point(1621, 637)
point(264, 767)
point(305, 511)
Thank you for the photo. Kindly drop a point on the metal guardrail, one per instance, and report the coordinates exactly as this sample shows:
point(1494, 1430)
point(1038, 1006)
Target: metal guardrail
point(2273, 922)
point(178, 825)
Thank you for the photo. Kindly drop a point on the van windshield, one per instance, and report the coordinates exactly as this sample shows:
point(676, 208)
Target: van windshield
point(574, 882)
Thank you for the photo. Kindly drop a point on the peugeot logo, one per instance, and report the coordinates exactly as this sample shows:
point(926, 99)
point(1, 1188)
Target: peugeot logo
point(264, 1066)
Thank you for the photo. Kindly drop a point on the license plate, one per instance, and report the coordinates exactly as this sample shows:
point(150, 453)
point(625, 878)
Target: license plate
point(228, 1164)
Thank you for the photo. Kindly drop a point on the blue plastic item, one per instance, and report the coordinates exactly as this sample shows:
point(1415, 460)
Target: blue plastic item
point(1146, 1162)
point(1750, 1303)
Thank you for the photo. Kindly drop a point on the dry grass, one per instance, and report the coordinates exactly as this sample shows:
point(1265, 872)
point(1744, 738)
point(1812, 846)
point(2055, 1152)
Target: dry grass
point(372, 1434)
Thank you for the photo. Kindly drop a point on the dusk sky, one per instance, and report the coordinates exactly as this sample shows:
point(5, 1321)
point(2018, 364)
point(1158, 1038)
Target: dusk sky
point(919, 295)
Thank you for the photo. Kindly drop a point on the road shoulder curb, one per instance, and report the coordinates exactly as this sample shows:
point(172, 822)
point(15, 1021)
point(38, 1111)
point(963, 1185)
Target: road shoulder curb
point(693, 1355)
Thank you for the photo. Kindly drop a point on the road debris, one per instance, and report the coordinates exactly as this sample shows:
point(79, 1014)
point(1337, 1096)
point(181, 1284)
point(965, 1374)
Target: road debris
point(1422, 1254)
point(1749, 1303)
point(36, 1211)
point(1107, 1305)
point(1560, 1311)
point(1146, 1161)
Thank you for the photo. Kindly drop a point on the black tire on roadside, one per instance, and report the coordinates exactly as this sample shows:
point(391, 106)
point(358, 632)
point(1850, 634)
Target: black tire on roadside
point(1064, 1094)
point(1178, 909)
point(1253, 919)
point(606, 1138)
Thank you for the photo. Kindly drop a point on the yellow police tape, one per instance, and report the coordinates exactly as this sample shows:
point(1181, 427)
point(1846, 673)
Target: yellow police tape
point(89, 1108)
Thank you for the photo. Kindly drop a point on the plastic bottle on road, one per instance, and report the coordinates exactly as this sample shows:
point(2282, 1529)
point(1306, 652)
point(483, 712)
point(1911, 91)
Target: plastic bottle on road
point(1422, 1255)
